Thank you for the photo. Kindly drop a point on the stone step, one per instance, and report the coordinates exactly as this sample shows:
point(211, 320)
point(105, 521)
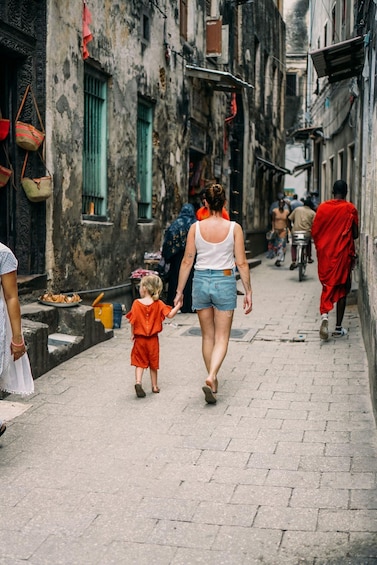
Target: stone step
point(54, 335)
point(59, 339)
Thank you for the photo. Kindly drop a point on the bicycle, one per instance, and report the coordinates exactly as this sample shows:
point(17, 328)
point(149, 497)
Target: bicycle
point(301, 240)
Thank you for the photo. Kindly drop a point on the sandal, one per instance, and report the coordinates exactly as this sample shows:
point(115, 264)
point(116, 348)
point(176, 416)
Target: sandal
point(155, 389)
point(2, 428)
point(139, 390)
point(208, 394)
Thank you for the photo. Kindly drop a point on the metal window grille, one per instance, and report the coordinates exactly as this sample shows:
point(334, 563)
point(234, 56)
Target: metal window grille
point(94, 195)
point(144, 160)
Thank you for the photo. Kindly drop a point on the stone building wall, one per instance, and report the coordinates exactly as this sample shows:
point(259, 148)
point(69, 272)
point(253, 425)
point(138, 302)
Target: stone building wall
point(104, 253)
point(140, 51)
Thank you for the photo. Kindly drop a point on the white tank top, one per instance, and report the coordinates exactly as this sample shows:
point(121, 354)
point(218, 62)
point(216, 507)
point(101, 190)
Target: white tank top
point(216, 256)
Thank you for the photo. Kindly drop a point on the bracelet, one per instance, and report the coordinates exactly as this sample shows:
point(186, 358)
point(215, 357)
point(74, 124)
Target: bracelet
point(18, 344)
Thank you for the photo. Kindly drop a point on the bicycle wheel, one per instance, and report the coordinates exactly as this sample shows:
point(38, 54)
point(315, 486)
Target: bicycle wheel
point(302, 264)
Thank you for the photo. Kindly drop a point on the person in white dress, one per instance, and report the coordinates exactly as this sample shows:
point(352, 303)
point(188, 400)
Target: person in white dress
point(15, 373)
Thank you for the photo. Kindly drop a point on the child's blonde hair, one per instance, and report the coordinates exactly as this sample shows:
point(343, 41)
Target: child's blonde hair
point(153, 285)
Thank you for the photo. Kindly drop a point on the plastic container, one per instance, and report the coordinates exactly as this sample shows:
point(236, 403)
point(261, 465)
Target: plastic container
point(117, 314)
point(103, 311)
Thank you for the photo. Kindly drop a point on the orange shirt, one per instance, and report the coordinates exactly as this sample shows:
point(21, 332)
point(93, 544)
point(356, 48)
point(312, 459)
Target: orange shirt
point(147, 319)
point(203, 213)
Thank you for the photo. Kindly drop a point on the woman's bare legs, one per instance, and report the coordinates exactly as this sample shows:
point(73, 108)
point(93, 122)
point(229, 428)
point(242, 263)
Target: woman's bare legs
point(215, 326)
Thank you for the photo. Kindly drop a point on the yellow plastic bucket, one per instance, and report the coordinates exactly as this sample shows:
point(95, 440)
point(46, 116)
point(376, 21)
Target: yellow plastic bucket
point(104, 312)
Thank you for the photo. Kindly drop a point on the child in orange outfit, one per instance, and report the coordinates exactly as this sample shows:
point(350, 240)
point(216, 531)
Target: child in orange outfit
point(146, 317)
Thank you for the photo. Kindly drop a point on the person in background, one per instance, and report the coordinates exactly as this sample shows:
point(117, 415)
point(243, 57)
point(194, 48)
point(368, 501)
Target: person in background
point(173, 249)
point(146, 316)
point(314, 197)
point(218, 246)
point(280, 226)
point(335, 227)
point(12, 344)
point(275, 204)
point(302, 219)
point(204, 212)
point(295, 202)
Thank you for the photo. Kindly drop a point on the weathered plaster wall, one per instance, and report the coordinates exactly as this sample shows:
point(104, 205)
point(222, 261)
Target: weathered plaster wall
point(366, 173)
point(85, 254)
point(266, 127)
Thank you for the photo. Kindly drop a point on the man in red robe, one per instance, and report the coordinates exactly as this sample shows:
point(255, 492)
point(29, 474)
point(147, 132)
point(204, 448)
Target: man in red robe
point(335, 227)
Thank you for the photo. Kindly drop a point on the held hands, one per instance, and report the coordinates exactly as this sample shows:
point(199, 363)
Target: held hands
point(178, 300)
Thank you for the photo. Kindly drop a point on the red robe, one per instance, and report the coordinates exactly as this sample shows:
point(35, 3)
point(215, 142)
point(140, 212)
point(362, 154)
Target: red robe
point(333, 237)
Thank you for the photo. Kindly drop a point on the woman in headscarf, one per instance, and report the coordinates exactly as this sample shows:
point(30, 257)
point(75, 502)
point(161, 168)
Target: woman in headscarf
point(173, 250)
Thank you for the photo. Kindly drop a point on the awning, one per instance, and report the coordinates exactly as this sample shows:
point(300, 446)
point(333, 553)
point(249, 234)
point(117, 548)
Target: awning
point(341, 60)
point(298, 169)
point(302, 134)
point(267, 165)
point(221, 80)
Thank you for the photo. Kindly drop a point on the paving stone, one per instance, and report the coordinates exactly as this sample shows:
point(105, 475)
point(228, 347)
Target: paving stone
point(348, 520)
point(270, 495)
point(319, 498)
point(292, 519)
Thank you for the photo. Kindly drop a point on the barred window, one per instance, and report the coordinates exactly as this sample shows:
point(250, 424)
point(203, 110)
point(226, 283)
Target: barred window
point(94, 192)
point(291, 89)
point(144, 160)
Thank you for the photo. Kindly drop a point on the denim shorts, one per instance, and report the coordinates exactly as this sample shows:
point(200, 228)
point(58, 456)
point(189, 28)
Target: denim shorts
point(212, 288)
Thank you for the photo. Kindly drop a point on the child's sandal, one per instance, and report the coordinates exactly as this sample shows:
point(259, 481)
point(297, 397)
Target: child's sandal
point(139, 390)
point(155, 389)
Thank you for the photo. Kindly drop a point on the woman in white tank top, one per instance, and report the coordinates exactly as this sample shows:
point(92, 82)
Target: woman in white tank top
point(219, 247)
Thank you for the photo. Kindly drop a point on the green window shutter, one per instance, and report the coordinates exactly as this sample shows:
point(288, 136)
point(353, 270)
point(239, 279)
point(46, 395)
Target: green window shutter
point(144, 160)
point(94, 195)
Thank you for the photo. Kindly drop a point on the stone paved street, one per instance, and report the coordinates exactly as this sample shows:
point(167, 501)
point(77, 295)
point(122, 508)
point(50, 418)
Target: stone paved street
point(282, 470)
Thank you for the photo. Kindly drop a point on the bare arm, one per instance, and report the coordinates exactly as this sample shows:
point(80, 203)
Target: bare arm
point(173, 311)
point(186, 266)
point(10, 289)
point(243, 267)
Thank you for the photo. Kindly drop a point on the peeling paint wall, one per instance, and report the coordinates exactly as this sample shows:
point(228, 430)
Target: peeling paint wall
point(265, 60)
point(83, 253)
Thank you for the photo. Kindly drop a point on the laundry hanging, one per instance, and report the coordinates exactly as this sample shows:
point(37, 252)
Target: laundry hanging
point(86, 33)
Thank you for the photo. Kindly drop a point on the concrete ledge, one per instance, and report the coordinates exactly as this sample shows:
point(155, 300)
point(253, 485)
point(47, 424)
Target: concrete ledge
point(53, 335)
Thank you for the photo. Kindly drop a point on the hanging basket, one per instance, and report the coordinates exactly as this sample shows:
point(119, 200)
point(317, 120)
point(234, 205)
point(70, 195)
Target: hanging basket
point(27, 136)
point(5, 175)
point(4, 128)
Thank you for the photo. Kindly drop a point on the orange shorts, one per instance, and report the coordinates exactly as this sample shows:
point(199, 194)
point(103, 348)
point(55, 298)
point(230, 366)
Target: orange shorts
point(146, 352)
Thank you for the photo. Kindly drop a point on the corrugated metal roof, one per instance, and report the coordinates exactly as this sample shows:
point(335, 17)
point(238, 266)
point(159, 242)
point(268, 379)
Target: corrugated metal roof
point(222, 80)
point(272, 166)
